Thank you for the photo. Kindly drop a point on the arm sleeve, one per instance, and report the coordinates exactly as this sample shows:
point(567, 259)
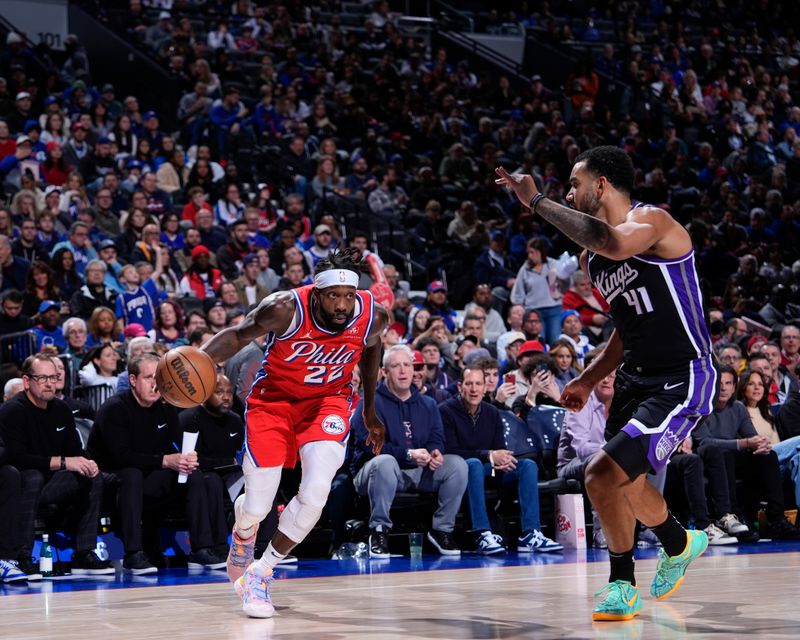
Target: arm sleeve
point(518, 290)
point(14, 426)
point(436, 436)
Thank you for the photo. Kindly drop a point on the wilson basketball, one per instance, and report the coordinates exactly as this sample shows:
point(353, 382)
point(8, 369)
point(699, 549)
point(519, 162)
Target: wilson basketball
point(186, 376)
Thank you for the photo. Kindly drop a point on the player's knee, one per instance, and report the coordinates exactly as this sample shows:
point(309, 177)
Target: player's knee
point(314, 494)
point(597, 473)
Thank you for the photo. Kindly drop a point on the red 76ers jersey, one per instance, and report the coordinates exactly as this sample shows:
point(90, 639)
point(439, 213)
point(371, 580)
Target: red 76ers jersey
point(308, 361)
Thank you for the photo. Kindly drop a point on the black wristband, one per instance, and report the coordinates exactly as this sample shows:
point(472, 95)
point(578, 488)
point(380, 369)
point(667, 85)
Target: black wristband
point(535, 201)
point(63, 464)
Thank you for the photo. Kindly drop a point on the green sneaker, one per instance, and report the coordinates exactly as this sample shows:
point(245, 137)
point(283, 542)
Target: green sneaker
point(671, 569)
point(621, 602)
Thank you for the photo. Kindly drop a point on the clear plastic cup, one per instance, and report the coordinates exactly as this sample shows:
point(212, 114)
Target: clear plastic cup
point(415, 544)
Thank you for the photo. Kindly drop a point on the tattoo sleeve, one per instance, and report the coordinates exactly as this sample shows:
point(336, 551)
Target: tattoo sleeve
point(583, 229)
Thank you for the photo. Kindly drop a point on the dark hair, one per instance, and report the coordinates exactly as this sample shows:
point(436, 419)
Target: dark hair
point(612, 163)
point(763, 404)
point(726, 368)
point(758, 355)
point(349, 259)
point(95, 352)
point(196, 335)
point(427, 342)
point(30, 285)
point(14, 295)
point(135, 365)
point(486, 363)
point(177, 308)
point(540, 245)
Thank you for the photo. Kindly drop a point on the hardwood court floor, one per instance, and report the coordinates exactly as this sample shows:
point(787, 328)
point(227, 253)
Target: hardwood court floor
point(728, 594)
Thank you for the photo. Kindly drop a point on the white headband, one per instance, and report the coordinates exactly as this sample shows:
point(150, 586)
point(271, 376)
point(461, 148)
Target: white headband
point(336, 278)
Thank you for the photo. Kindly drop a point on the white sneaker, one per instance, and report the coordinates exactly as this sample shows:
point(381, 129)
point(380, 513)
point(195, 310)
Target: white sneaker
point(489, 544)
point(717, 536)
point(647, 539)
point(253, 587)
point(599, 539)
point(731, 525)
point(536, 542)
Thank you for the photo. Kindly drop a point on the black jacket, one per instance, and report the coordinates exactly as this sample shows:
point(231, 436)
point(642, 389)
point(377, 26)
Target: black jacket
point(126, 434)
point(221, 437)
point(34, 435)
point(468, 439)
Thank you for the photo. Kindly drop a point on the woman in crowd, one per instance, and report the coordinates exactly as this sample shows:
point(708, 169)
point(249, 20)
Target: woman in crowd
point(101, 328)
point(566, 361)
point(54, 130)
point(124, 137)
point(171, 235)
point(230, 207)
point(67, 278)
point(100, 367)
point(537, 287)
point(327, 181)
point(169, 327)
point(54, 169)
point(40, 285)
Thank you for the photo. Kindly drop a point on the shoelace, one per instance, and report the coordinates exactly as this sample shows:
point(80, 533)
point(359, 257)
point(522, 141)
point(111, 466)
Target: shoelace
point(259, 587)
point(612, 590)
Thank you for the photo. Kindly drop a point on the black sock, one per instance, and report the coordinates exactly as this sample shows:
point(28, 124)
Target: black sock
point(622, 566)
point(672, 535)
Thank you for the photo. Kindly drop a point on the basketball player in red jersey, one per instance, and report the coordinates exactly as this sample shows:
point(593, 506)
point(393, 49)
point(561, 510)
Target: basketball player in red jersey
point(300, 404)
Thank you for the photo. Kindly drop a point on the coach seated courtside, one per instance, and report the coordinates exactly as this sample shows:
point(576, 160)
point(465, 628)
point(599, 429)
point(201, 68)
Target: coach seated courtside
point(43, 443)
point(135, 439)
point(412, 458)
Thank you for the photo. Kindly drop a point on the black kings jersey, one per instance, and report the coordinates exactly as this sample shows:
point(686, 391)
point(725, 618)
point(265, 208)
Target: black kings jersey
point(657, 308)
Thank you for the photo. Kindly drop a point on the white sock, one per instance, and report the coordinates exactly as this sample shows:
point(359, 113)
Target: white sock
point(271, 557)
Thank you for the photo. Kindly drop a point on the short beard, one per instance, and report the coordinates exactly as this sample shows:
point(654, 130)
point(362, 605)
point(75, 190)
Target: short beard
point(326, 319)
point(590, 204)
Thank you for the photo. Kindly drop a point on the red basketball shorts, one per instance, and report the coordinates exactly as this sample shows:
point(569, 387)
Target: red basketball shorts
point(275, 430)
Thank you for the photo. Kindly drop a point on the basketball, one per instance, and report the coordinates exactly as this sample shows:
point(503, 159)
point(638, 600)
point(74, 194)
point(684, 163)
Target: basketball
point(186, 376)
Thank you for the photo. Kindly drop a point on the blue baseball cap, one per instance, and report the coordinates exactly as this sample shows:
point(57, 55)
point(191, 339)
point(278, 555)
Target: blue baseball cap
point(567, 314)
point(147, 115)
point(46, 305)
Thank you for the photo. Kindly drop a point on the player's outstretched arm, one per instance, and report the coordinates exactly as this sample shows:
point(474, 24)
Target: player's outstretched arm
point(638, 234)
point(370, 365)
point(577, 391)
point(273, 314)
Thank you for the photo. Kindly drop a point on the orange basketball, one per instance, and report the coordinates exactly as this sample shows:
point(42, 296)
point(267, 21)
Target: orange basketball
point(186, 376)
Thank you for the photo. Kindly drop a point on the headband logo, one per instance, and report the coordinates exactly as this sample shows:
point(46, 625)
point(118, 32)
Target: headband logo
point(342, 276)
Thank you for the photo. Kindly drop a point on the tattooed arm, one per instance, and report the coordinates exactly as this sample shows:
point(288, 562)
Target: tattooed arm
point(638, 234)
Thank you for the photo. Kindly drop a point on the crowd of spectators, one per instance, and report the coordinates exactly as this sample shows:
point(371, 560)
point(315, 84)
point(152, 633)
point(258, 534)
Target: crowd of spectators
point(120, 236)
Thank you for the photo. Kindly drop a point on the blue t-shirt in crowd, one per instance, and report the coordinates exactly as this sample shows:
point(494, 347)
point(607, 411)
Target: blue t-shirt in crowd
point(140, 305)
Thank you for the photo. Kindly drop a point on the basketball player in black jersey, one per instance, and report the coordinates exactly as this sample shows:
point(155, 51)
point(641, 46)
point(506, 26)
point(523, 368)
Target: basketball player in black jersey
point(642, 261)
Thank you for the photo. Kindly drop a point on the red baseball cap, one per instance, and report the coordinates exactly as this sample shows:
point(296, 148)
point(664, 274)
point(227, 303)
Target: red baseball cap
point(199, 250)
point(418, 358)
point(398, 327)
point(530, 346)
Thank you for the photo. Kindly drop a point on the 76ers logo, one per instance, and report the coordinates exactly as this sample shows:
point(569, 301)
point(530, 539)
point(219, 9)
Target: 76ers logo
point(334, 425)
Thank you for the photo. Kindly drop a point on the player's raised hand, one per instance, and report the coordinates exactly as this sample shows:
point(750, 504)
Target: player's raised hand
point(522, 184)
point(376, 432)
point(575, 394)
